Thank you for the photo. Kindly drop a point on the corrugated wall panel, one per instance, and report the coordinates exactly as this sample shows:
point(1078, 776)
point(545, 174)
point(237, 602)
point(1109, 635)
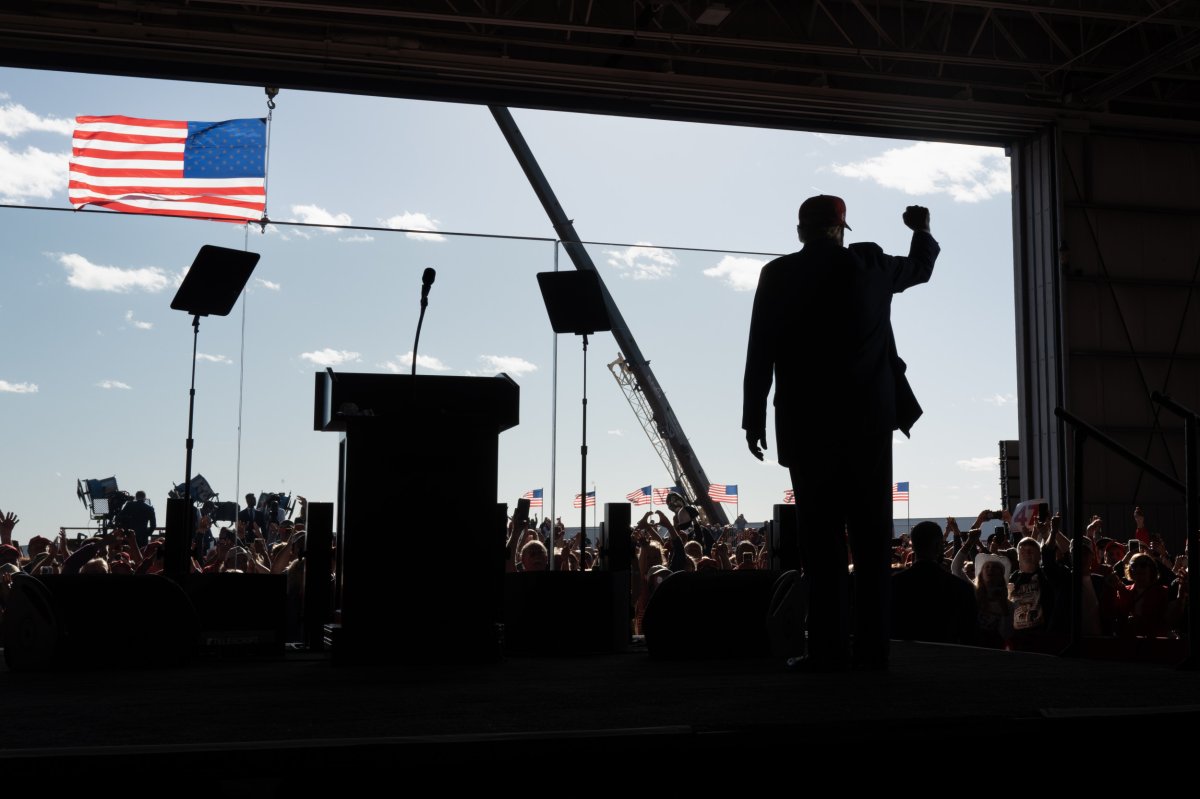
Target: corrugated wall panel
point(1131, 224)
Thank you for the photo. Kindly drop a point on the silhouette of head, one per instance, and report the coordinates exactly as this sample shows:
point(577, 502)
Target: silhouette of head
point(822, 217)
point(927, 541)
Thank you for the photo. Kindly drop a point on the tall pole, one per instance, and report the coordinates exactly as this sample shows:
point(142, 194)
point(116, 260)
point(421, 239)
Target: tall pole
point(553, 434)
point(583, 464)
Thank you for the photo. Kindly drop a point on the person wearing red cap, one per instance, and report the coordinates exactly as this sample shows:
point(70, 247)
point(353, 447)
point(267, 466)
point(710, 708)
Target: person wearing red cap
point(821, 330)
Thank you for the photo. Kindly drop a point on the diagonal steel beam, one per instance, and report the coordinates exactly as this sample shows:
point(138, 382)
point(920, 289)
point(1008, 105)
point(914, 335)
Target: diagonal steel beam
point(874, 23)
point(1180, 51)
point(664, 416)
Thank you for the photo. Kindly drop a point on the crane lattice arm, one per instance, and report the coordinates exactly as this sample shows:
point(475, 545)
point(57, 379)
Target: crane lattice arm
point(645, 416)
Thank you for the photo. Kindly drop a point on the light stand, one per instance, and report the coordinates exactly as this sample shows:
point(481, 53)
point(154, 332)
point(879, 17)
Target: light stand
point(211, 287)
point(575, 304)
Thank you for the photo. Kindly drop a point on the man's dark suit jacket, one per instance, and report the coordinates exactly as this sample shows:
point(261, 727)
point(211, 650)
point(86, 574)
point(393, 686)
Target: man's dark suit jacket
point(822, 328)
point(931, 604)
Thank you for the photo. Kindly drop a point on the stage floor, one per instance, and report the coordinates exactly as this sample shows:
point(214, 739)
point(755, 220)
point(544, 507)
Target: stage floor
point(302, 710)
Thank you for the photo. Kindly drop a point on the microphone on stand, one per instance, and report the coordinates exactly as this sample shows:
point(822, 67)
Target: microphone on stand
point(426, 282)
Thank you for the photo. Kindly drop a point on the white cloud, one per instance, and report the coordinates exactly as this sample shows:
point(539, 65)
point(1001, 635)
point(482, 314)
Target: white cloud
point(330, 357)
point(511, 364)
point(1000, 400)
point(83, 274)
point(415, 221)
point(403, 364)
point(316, 215)
point(114, 384)
point(267, 284)
point(361, 238)
point(17, 388)
point(832, 139)
point(617, 433)
point(139, 325)
point(643, 261)
point(16, 119)
point(32, 173)
point(204, 356)
point(738, 272)
point(967, 173)
point(985, 464)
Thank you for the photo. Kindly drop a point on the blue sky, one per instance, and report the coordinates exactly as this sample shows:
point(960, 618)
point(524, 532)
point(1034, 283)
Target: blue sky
point(94, 374)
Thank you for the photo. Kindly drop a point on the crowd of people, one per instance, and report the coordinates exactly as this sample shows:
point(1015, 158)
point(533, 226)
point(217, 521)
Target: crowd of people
point(1010, 589)
point(253, 544)
point(956, 587)
point(948, 585)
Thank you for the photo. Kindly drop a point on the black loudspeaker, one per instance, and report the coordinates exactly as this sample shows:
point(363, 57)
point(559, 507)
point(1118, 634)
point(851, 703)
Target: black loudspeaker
point(566, 613)
point(97, 621)
point(616, 552)
point(708, 615)
point(318, 568)
point(784, 538)
point(242, 614)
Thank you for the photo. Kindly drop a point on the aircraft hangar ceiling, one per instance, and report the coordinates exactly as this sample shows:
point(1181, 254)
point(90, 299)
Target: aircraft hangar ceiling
point(965, 70)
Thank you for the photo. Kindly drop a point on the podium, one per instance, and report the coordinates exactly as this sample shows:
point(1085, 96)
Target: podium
point(420, 537)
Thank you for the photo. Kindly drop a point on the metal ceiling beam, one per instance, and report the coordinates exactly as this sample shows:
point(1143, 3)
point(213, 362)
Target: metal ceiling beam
point(1180, 51)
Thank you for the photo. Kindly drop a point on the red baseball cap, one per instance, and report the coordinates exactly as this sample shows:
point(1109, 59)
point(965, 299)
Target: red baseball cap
point(824, 210)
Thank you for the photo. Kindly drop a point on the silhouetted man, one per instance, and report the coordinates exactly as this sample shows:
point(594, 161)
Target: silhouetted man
point(138, 515)
point(251, 515)
point(928, 602)
point(821, 327)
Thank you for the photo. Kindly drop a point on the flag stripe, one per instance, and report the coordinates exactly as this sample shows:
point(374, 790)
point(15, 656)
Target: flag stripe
point(110, 162)
point(245, 193)
point(147, 152)
point(118, 121)
point(173, 209)
point(148, 199)
point(122, 143)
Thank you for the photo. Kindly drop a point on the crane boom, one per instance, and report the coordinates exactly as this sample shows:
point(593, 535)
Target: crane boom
point(661, 412)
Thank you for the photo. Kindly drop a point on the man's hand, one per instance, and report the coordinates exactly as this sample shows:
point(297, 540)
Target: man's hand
point(916, 217)
point(755, 438)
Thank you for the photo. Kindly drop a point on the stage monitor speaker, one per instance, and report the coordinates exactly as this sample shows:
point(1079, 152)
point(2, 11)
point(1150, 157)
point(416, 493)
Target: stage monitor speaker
point(318, 568)
point(97, 621)
point(711, 615)
point(566, 613)
point(242, 614)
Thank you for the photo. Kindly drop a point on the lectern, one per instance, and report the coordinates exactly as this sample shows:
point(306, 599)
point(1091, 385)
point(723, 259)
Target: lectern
point(420, 537)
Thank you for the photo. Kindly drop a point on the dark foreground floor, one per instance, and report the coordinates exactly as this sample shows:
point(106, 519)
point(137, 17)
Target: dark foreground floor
point(302, 715)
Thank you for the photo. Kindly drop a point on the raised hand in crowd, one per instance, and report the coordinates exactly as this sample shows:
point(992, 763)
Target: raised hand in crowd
point(7, 522)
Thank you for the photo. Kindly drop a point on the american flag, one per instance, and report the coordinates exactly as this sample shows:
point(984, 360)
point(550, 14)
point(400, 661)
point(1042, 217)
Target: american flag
point(899, 492)
point(534, 497)
point(789, 497)
point(639, 496)
point(591, 500)
point(660, 494)
point(214, 170)
point(719, 492)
